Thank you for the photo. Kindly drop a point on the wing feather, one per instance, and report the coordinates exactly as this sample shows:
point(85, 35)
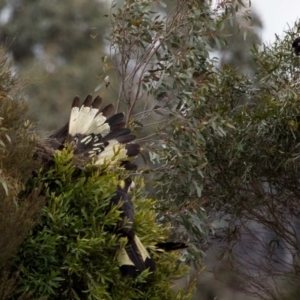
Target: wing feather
point(95, 133)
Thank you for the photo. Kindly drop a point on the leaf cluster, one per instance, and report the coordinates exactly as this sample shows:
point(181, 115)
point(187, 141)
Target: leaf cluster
point(17, 143)
point(184, 81)
point(167, 74)
point(247, 133)
point(71, 253)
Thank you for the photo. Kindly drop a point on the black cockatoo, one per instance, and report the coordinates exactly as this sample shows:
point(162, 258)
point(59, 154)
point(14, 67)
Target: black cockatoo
point(134, 258)
point(96, 135)
point(296, 46)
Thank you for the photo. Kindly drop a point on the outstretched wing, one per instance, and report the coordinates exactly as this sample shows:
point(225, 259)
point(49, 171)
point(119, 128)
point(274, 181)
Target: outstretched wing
point(95, 133)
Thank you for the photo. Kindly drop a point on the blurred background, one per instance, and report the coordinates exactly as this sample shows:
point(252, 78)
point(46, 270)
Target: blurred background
point(56, 49)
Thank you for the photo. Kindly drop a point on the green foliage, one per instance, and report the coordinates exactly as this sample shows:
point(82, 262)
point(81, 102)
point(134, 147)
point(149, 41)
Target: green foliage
point(17, 143)
point(171, 76)
point(71, 253)
point(228, 142)
point(247, 133)
point(240, 36)
point(262, 144)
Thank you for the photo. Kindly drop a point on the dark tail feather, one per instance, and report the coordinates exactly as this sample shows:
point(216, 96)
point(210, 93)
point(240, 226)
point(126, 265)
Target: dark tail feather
point(76, 102)
point(58, 138)
point(171, 246)
point(124, 139)
point(97, 102)
point(133, 149)
point(149, 262)
point(129, 165)
point(135, 259)
point(117, 133)
point(116, 120)
point(88, 100)
point(107, 110)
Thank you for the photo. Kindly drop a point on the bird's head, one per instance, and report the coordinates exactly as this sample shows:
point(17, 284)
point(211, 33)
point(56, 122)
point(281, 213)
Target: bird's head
point(127, 185)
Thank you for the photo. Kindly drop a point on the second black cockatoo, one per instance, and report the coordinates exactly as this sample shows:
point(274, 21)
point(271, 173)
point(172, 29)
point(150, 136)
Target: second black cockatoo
point(296, 46)
point(134, 258)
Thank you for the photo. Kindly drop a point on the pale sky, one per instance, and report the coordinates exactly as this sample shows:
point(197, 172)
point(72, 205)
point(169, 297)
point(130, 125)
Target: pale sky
point(276, 15)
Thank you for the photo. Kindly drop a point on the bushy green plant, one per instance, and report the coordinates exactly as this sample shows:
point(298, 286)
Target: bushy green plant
point(248, 128)
point(71, 253)
point(17, 144)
